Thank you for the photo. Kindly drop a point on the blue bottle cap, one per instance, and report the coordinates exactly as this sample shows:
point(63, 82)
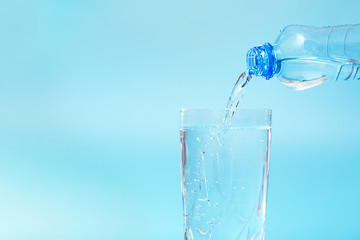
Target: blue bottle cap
point(261, 61)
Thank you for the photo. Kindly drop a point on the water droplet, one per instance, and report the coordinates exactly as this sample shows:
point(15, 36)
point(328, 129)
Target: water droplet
point(198, 139)
point(201, 231)
point(216, 204)
point(204, 199)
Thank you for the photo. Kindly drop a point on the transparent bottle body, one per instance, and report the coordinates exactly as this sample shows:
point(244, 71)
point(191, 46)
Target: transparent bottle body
point(308, 56)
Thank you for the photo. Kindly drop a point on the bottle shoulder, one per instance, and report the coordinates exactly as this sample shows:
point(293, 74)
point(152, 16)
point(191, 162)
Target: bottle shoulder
point(298, 41)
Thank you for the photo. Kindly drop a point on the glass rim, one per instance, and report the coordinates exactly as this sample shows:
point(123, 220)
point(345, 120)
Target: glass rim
point(224, 109)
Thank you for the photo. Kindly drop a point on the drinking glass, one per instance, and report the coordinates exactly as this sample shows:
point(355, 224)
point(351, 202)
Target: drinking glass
point(225, 171)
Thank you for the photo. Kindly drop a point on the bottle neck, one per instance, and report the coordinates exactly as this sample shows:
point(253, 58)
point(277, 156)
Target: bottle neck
point(261, 61)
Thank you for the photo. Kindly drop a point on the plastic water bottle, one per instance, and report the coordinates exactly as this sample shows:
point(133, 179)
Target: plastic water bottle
point(303, 57)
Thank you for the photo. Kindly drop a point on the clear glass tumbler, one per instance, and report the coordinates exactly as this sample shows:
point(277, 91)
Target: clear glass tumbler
point(225, 173)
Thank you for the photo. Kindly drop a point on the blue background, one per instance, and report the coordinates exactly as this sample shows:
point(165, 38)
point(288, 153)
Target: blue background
point(90, 93)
